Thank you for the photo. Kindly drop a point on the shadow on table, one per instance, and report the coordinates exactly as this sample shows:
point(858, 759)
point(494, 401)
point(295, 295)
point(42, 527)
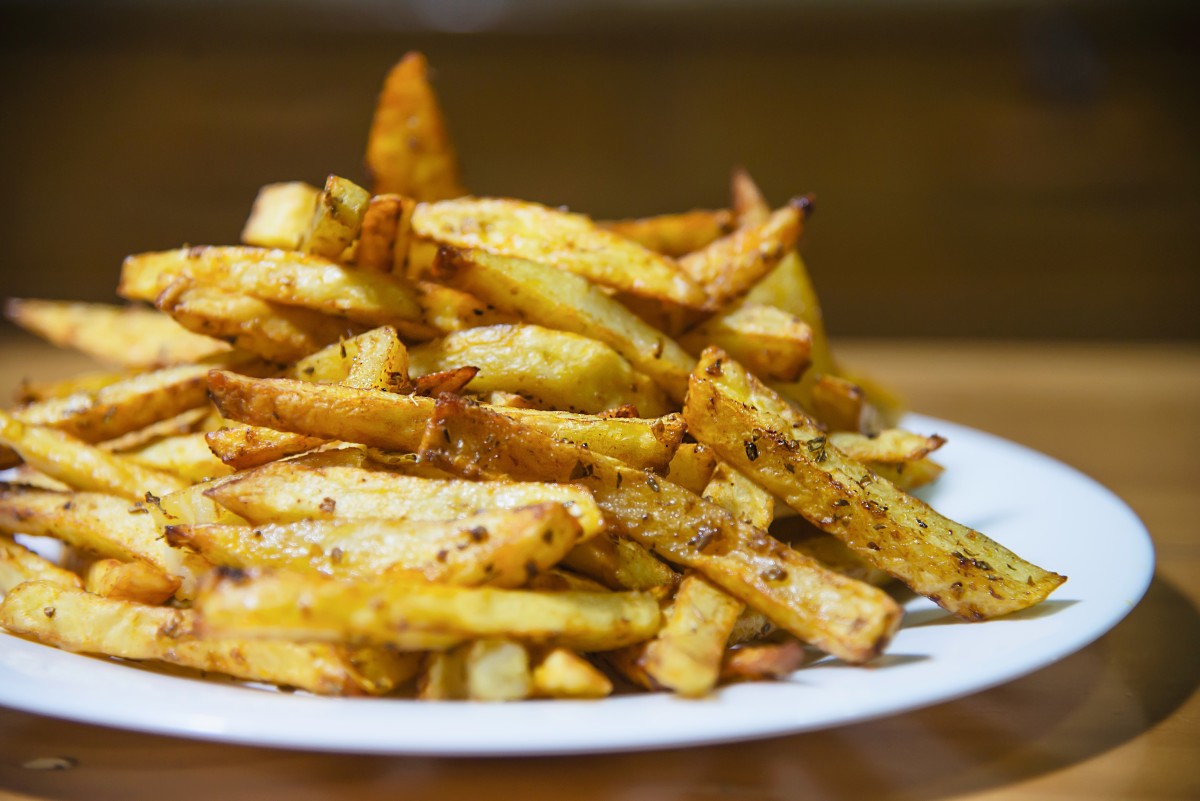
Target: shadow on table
point(1068, 713)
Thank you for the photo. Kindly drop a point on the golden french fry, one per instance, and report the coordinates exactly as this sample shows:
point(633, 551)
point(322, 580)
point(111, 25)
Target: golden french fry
point(562, 673)
point(137, 581)
point(546, 296)
point(397, 422)
point(908, 476)
point(497, 669)
point(281, 215)
point(313, 607)
point(892, 446)
point(386, 229)
point(748, 204)
point(675, 234)
point(187, 456)
point(443, 675)
point(839, 615)
point(763, 661)
point(692, 466)
point(620, 564)
point(129, 336)
point(337, 218)
point(75, 620)
point(955, 566)
point(554, 369)
point(409, 150)
point(497, 548)
point(18, 564)
point(454, 381)
point(771, 342)
point(568, 242)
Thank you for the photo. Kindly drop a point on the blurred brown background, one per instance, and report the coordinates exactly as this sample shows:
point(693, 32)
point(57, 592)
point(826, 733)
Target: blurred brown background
point(985, 169)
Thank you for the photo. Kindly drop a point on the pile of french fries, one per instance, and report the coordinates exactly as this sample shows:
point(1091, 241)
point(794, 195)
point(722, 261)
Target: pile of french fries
point(411, 441)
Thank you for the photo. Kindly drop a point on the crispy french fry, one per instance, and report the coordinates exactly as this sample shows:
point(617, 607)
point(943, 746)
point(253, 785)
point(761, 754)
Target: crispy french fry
point(386, 229)
point(33, 391)
point(774, 344)
point(554, 369)
point(692, 466)
point(675, 234)
point(137, 581)
point(546, 296)
point(312, 607)
point(187, 456)
point(893, 446)
point(763, 661)
point(18, 564)
point(908, 476)
point(620, 564)
point(793, 590)
point(397, 422)
point(955, 566)
point(281, 215)
point(102, 524)
point(454, 381)
point(337, 218)
point(409, 150)
point(569, 242)
point(497, 548)
point(128, 336)
point(79, 621)
point(450, 309)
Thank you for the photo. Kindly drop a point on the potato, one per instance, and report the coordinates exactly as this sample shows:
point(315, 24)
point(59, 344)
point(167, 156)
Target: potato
point(675, 234)
point(18, 564)
point(562, 673)
point(955, 566)
point(281, 215)
point(136, 581)
point(386, 230)
point(771, 342)
point(337, 218)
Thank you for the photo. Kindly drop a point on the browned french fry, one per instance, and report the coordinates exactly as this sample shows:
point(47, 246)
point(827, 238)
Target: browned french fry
point(409, 150)
point(790, 588)
point(453, 380)
point(569, 242)
point(892, 446)
point(397, 422)
point(771, 342)
point(755, 430)
point(774, 660)
point(386, 228)
point(620, 564)
point(136, 581)
point(675, 234)
point(692, 466)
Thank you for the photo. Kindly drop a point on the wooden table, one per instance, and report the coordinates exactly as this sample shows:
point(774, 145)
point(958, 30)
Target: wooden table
point(1118, 720)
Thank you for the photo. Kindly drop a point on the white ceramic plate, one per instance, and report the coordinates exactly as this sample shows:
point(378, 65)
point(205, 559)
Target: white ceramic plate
point(1043, 510)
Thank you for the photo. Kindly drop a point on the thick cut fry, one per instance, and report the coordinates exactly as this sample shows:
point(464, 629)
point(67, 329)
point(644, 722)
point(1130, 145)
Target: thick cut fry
point(102, 524)
point(273, 331)
point(555, 369)
point(83, 466)
point(764, 661)
point(497, 548)
point(841, 405)
point(321, 488)
point(771, 342)
point(909, 475)
point(128, 336)
point(731, 265)
point(545, 296)
point(409, 150)
point(675, 234)
point(281, 276)
point(191, 506)
point(337, 218)
point(386, 229)
point(454, 381)
point(450, 309)
point(380, 362)
point(839, 615)
point(620, 564)
point(893, 446)
point(397, 422)
point(187, 456)
point(281, 215)
point(137, 581)
point(18, 564)
point(301, 606)
point(955, 566)
point(740, 496)
point(74, 620)
point(692, 466)
point(250, 446)
point(497, 670)
point(568, 242)
point(562, 673)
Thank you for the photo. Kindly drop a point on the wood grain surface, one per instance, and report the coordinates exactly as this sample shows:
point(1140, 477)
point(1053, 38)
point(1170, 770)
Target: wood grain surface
point(1118, 720)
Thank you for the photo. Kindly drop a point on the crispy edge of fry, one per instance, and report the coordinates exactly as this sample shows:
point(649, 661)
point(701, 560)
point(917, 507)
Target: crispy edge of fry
point(888, 528)
point(891, 446)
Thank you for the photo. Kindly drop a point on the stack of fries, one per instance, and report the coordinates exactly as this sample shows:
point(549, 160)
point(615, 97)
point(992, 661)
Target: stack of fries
point(412, 441)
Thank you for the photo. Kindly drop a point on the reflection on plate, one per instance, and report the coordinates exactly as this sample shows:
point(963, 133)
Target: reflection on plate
point(1045, 511)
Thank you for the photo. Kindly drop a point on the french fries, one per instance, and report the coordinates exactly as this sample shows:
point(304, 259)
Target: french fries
point(404, 440)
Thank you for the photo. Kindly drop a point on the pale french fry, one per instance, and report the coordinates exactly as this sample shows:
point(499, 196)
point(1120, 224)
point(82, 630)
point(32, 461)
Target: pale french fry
point(190, 506)
point(570, 242)
point(18, 564)
point(281, 276)
point(102, 524)
point(554, 369)
point(443, 675)
point(323, 487)
point(793, 590)
point(546, 296)
point(409, 150)
point(312, 607)
point(128, 336)
point(281, 214)
point(675, 234)
point(957, 567)
point(75, 620)
point(497, 669)
point(83, 466)
point(692, 466)
point(496, 548)
point(337, 218)
point(187, 456)
point(380, 362)
point(273, 331)
point(137, 581)
point(397, 422)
